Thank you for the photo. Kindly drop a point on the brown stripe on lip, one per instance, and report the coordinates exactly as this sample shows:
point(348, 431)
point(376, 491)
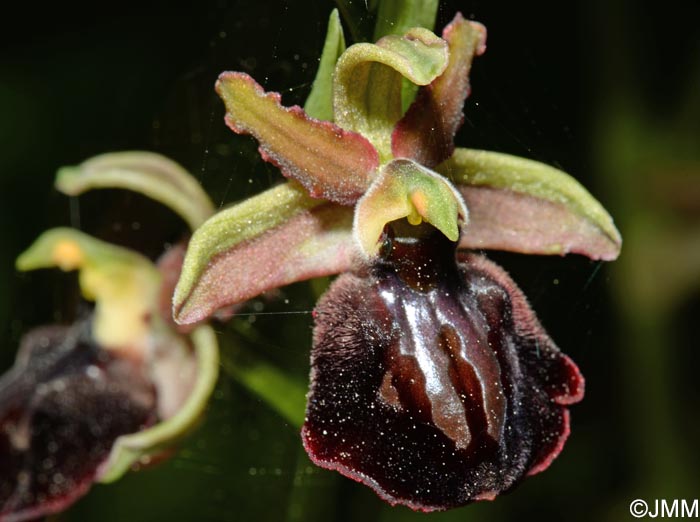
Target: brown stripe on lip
point(466, 382)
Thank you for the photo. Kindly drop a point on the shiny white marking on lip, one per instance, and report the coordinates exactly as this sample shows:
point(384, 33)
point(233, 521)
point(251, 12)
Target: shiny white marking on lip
point(414, 315)
point(388, 296)
point(448, 412)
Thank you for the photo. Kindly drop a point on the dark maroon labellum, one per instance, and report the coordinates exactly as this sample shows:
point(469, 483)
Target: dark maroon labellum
point(432, 380)
point(62, 407)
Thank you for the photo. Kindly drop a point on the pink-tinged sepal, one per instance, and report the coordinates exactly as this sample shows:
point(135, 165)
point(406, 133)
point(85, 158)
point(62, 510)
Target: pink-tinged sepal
point(525, 206)
point(304, 149)
point(276, 238)
point(62, 407)
point(432, 381)
point(427, 130)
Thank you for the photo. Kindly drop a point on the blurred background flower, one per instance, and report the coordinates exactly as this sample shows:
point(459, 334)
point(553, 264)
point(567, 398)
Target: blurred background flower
point(607, 91)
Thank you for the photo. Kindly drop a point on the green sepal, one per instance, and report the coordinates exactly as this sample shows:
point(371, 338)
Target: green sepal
point(147, 173)
point(129, 450)
point(319, 104)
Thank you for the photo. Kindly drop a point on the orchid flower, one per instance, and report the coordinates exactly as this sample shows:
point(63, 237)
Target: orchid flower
point(115, 390)
point(432, 381)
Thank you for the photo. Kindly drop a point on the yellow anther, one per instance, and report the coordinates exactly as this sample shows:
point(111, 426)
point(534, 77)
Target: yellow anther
point(414, 218)
point(67, 255)
point(418, 204)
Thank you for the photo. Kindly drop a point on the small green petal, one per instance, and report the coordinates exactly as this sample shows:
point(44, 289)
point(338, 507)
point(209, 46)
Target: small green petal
point(273, 239)
point(407, 189)
point(525, 206)
point(124, 284)
point(148, 173)
point(130, 449)
point(319, 104)
point(368, 79)
point(397, 17)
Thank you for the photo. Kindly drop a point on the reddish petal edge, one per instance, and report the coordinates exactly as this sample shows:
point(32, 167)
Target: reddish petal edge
point(488, 496)
point(554, 453)
point(365, 480)
point(426, 132)
point(458, 18)
point(530, 326)
point(576, 382)
point(55, 506)
point(330, 162)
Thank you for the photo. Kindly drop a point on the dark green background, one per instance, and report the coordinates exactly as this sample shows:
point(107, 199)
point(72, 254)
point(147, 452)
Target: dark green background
point(608, 91)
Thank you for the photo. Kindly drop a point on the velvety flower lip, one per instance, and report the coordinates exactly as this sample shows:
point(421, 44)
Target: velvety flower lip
point(61, 409)
point(432, 381)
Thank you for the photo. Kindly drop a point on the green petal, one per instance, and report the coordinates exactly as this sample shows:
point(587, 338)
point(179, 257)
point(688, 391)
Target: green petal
point(273, 239)
point(329, 162)
point(406, 189)
point(319, 104)
point(525, 206)
point(124, 284)
point(397, 17)
point(368, 79)
point(130, 449)
point(148, 173)
point(427, 130)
